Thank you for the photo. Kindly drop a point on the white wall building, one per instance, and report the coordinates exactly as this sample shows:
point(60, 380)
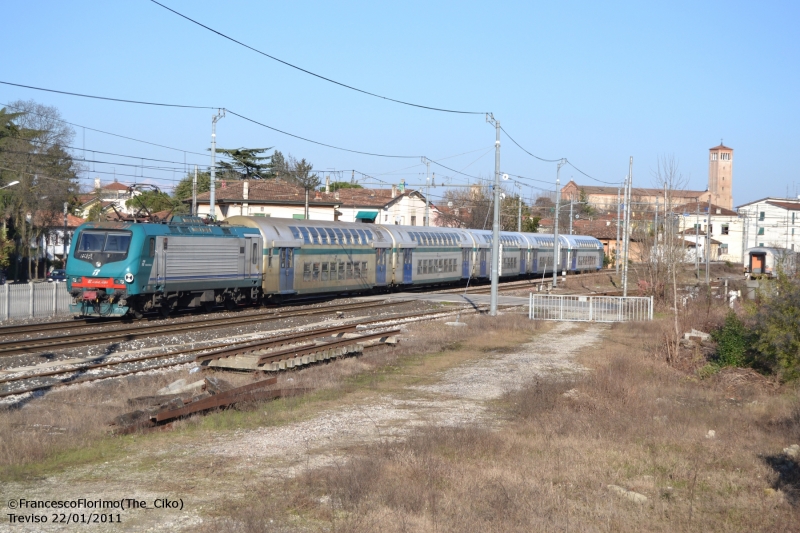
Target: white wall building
point(772, 222)
point(723, 225)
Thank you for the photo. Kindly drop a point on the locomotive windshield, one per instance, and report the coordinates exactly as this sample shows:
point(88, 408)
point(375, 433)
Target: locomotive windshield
point(112, 242)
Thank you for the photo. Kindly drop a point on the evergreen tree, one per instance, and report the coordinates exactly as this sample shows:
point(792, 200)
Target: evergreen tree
point(245, 164)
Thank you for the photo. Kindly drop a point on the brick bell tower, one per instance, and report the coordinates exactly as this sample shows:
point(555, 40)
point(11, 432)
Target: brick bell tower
point(720, 175)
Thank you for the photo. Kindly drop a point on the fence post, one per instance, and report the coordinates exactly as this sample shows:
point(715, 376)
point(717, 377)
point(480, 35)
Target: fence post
point(590, 308)
point(651, 308)
point(7, 304)
point(561, 299)
point(30, 299)
point(55, 293)
point(530, 306)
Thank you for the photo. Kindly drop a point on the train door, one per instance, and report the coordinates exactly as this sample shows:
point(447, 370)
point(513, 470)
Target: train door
point(757, 263)
point(380, 266)
point(465, 262)
point(407, 265)
point(482, 256)
point(575, 260)
point(522, 254)
point(286, 283)
point(161, 263)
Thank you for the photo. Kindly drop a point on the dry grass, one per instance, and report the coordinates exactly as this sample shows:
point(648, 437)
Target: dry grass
point(632, 422)
point(69, 426)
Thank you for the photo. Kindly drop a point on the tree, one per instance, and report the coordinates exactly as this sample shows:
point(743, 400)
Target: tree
point(183, 190)
point(338, 185)
point(278, 167)
point(245, 164)
point(34, 150)
point(300, 173)
point(775, 326)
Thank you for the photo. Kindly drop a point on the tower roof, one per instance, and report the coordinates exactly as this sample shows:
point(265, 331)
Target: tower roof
point(722, 147)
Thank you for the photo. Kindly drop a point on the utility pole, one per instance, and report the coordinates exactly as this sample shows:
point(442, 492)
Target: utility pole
point(519, 212)
point(570, 215)
point(655, 225)
point(616, 246)
point(627, 229)
point(220, 114)
point(427, 189)
point(708, 242)
point(64, 240)
point(194, 193)
point(697, 242)
point(556, 251)
point(745, 224)
point(496, 219)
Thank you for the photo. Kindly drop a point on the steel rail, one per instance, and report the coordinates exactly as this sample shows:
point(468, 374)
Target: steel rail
point(61, 341)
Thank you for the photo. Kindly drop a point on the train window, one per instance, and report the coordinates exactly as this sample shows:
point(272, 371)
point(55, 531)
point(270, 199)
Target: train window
point(152, 251)
point(349, 270)
point(331, 235)
point(362, 236)
point(306, 237)
point(364, 269)
point(314, 236)
point(324, 271)
point(283, 258)
point(339, 236)
point(306, 271)
point(419, 266)
point(413, 235)
point(356, 270)
point(368, 233)
point(315, 272)
point(341, 271)
point(289, 260)
point(254, 257)
point(294, 230)
point(269, 258)
point(333, 272)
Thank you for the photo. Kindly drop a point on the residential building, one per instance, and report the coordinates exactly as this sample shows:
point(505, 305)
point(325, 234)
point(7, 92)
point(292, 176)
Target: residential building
point(111, 196)
point(50, 243)
point(278, 198)
point(723, 226)
point(772, 222)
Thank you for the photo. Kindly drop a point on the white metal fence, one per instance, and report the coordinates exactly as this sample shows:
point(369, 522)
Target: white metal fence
point(33, 300)
point(590, 308)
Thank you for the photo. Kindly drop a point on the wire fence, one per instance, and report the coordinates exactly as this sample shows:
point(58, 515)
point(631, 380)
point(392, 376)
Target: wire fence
point(33, 300)
point(590, 308)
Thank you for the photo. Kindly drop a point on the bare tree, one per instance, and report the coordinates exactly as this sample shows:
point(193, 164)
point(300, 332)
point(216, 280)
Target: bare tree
point(670, 253)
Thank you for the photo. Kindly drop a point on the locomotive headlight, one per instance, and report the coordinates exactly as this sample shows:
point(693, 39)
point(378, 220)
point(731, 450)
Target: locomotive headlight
point(129, 278)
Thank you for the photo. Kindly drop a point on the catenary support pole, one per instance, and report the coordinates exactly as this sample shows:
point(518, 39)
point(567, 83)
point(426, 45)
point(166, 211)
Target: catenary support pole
point(519, 214)
point(212, 198)
point(194, 193)
point(708, 243)
point(697, 242)
point(556, 248)
point(496, 219)
point(616, 246)
point(571, 202)
point(627, 228)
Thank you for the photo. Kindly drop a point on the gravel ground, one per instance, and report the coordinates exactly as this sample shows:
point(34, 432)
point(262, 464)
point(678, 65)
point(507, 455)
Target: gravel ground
point(460, 397)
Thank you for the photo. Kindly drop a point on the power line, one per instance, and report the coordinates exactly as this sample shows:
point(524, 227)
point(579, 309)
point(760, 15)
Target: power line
point(109, 133)
point(312, 73)
point(320, 143)
point(555, 160)
point(208, 107)
point(107, 98)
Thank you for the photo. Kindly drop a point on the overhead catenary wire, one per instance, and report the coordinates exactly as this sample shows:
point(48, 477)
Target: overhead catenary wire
point(224, 36)
point(112, 134)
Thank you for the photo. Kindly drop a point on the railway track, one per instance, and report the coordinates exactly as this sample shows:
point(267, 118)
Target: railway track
point(269, 350)
point(42, 344)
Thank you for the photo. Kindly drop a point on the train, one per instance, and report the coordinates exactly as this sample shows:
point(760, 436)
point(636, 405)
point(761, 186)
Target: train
point(128, 268)
point(764, 261)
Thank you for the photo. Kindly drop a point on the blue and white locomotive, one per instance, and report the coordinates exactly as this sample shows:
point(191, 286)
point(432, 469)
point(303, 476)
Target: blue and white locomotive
point(131, 268)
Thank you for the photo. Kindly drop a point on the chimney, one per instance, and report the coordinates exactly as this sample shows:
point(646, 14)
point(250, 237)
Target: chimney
point(246, 190)
point(327, 184)
point(394, 191)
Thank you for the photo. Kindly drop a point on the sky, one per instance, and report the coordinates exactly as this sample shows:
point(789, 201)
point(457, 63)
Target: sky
point(596, 83)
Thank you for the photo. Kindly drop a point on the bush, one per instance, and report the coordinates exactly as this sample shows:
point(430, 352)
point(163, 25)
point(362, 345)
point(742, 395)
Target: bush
point(733, 341)
point(776, 329)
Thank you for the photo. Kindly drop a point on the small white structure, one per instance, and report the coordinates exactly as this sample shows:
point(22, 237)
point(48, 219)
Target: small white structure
point(772, 222)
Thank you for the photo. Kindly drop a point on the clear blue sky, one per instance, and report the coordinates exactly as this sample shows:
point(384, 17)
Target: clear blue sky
point(593, 82)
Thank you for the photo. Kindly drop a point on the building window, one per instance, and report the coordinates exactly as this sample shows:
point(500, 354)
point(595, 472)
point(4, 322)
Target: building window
point(413, 220)
point(725, 229)
point(725, 156)
point(761, 245)
point(761, 231)
point(723, 249)
point(711, 229)
point(761, 215)
point(793, 218)
point(713, 156)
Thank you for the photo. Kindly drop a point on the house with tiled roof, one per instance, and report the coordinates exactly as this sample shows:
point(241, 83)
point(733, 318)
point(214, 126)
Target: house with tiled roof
point(604, 198)
point(50, 244)
point(712, 226)
point(282, 199)
point(111, 197)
